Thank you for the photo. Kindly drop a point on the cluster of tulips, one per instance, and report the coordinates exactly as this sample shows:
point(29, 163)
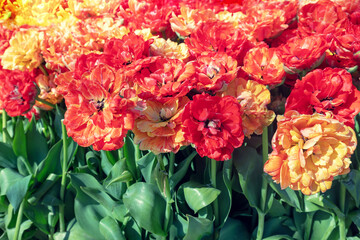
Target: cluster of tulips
point(181, 72)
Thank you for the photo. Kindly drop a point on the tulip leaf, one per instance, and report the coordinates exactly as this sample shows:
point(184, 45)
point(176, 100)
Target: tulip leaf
point(36, 145)
point(182, 170)
point(129, 153)
point(146, 166)
point(7, 156)
point(323, 225)
point(73, 232)
point(352, 184)
point(115, 181)
point(17, 191)
point(110, 229)
point(19, 142)
point(198, 196)
point(198, 228)
point(249, 166)
point(147, 206)
point(51, 163)
point(232, 229)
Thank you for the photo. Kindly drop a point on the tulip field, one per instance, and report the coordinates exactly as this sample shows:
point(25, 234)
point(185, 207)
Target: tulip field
point(179, 119)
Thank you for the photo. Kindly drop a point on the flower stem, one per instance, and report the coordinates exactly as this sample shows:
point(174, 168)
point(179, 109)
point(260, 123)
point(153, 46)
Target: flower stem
point(213, 171)
point(341, 217)
point(171, 164)
point(43, 70)
point(261, 220)
point(44, 102)
point(167, 193)
point(63, 178)
point(19, 220)
point(4, 122)
point(261, 215)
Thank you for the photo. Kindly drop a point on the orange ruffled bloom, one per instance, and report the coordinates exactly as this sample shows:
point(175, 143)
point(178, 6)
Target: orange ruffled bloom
point(309, 151)
point(253, 98)
point(264, 66)
point(158, 129)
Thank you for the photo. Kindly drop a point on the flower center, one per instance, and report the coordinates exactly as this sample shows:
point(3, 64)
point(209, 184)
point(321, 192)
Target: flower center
point(99, 104)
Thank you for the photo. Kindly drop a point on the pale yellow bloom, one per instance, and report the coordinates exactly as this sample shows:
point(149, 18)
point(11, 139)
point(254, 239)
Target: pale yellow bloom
point(24, 51)
point(169, 49)
point(253, 98)
point(309, 151)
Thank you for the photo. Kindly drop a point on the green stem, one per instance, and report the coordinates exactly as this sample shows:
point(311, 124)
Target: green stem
point(4, 122)
point(213, 171)
point(44, 102)
point(167, 193)
point(19, 219)
point(171, 164)
point(43, 70)
point(161, 162)
point(341, 217)
point(264, 186)
point(63, 178)
point(260, 231)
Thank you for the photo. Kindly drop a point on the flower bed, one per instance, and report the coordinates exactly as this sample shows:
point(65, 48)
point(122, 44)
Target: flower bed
point(178, 119)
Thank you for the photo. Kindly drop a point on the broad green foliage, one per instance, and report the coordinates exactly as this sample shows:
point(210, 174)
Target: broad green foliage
point(131, 194)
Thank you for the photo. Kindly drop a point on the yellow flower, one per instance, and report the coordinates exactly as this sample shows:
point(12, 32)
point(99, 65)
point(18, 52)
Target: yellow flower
point(91, 8)
point(159, 128)
point(309, 151)
point(234, 18)
point(253, 98)
point(8, 9)
point(145, 33)
point(24, 51)
point(169, 49)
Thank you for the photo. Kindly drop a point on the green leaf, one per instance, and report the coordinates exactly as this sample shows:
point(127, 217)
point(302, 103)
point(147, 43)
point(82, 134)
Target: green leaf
point(17, 191)
point(100, 196)
point(323, 225)
point(352, 184)
point(19, 142)
point(75, 232)
point(249, 166)
point(7, 156)
point(89, 213)
point(146, 206)
point(182, 170)
point(198, 196)
point(44, 188)
point(198, 228)
point(129, 153)
point(8, 177)
point(59, 115)
point(133, 231)
point(303, 223)
point(113, 183)
point(38, 214)
point(110, 229)
point(25, 225)
point(232, 229)
point(106, 163)
point(146, 165)
point(178, 228)
point(72, 149)
point(89, 185)
point(36, 145)
point(276, 226)
point(276, 237)
point(51, 163)
point(288, 195)
point(225, 197)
